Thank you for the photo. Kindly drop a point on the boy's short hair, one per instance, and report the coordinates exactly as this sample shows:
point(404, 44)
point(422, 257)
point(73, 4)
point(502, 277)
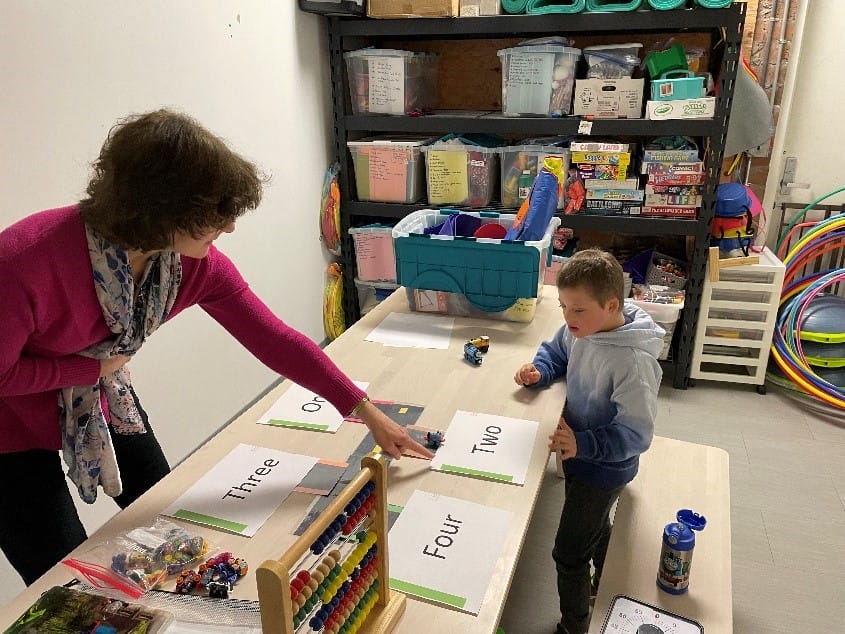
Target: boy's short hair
point(160, 173)
point(597, 271)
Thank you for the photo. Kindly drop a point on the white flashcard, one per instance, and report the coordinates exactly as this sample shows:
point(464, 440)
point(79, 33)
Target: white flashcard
point(406, 330)
point(302, 409)
point(241, 491)
point(487, 446)
point(445, 550)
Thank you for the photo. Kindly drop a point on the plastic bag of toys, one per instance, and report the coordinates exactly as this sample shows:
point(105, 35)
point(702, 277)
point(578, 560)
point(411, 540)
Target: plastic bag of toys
point(140, 559)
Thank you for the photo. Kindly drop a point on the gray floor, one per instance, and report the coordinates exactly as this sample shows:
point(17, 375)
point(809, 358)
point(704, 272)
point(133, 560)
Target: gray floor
point(787, 514)
point(787, 468)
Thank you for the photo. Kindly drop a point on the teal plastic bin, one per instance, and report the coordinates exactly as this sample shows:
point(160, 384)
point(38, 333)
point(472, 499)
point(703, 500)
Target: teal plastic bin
point(491, 275)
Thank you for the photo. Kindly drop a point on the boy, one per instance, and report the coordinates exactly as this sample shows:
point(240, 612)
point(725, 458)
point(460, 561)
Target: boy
point(607, 350)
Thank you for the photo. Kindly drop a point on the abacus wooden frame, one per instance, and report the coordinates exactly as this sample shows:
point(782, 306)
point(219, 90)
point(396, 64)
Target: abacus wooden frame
point(273, 576)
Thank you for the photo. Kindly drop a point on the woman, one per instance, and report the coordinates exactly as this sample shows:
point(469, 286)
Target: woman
point(83, 286)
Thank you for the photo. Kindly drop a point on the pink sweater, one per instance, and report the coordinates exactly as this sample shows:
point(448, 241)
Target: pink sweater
point(49, 311)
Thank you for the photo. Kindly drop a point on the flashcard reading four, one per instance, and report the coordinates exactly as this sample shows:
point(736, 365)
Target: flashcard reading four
point(445, 550)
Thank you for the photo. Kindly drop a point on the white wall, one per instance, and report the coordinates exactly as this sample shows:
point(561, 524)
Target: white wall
point(256, 73)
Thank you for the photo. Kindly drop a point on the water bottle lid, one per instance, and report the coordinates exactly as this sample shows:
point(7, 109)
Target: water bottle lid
point(692, 519)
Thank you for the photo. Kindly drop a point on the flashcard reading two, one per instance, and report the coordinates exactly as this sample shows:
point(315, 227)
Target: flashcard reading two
point(487, 446)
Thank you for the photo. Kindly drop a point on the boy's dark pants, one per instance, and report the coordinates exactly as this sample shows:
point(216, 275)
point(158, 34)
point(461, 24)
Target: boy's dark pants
point(582, 535)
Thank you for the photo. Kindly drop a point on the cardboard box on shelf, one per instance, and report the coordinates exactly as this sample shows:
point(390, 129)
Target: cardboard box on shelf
point(671, 211)
point(413, 8)
point(701, 108)
point(609, 98)
point(475, 8)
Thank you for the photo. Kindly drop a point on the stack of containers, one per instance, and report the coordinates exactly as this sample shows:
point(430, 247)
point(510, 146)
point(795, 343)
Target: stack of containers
point(461, 170)
point(390, 81)
point(675, 178)
point(606, 171)
point(676, 92)
point(521, 163)
point(375, 264)
point(538, 77)
point(732, 229)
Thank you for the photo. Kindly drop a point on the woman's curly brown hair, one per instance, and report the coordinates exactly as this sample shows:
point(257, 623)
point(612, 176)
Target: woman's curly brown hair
point(161, 173)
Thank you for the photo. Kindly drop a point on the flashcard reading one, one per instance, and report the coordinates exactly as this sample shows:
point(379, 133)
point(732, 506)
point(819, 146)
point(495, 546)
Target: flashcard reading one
point(487, 446)
point(445, 550)
point(241, 491)
point(302, 409)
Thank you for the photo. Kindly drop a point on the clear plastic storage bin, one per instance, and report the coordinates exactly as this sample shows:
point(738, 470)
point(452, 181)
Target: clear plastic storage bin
point(390, 81)
point(520, 165)
point(538, 80)
point(665, 316)
point(458, 174)
point(374, 253)
point(371, 293)
point(389, 169)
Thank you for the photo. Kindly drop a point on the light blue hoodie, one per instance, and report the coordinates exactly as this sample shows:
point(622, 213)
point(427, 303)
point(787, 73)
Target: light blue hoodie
point(611, 394)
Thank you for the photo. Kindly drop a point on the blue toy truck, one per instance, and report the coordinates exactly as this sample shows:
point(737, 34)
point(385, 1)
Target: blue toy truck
point(472, 354)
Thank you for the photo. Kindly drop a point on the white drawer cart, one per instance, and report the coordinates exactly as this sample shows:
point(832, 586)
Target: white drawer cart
point(736, 322)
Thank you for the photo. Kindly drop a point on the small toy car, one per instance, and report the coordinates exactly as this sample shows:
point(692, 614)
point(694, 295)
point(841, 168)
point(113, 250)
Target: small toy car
point(433, 440)
point(482, 343)
point(472, 354)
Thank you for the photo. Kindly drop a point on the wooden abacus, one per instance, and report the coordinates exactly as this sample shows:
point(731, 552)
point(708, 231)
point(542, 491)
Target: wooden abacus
point(305, 591)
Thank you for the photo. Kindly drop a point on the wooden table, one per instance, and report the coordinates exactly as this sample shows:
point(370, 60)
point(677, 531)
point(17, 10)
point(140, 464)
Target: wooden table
point(673, 475)
point(439, 380)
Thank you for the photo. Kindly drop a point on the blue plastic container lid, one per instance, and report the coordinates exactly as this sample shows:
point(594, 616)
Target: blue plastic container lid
point(679, 535)
point(692, 519)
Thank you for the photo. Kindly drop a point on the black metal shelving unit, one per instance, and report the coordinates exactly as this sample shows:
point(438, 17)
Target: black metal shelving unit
point(725, 29)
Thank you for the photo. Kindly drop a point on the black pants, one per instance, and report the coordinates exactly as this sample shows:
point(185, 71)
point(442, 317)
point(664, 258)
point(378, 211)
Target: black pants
point(582, 535)
point(39, 525)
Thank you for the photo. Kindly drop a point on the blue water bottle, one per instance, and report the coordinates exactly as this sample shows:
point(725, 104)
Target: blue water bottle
point(676, 554)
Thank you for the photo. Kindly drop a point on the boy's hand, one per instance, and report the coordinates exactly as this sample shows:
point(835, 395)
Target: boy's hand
point(563, 440)
point(527, 375)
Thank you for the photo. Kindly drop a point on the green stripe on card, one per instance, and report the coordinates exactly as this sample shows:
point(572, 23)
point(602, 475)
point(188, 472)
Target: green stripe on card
point(427, 593)
point(292, 423)
point(394, 508)
point(199, 518)
point(475, 472)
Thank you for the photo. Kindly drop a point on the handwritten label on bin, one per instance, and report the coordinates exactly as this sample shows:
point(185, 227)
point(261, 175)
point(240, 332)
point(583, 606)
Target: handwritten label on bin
point(387, 85)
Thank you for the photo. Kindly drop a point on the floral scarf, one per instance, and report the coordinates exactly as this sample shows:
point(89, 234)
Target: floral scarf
point(132, 316)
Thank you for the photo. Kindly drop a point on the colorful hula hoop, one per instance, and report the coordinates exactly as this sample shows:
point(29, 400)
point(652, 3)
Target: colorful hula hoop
point(797, 294)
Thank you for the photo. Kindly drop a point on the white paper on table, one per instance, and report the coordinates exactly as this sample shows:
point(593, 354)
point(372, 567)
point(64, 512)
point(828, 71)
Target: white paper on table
point(445, 550)
point(303, 409)
point(487, 446)
point(241, 491)
point(405, 330)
